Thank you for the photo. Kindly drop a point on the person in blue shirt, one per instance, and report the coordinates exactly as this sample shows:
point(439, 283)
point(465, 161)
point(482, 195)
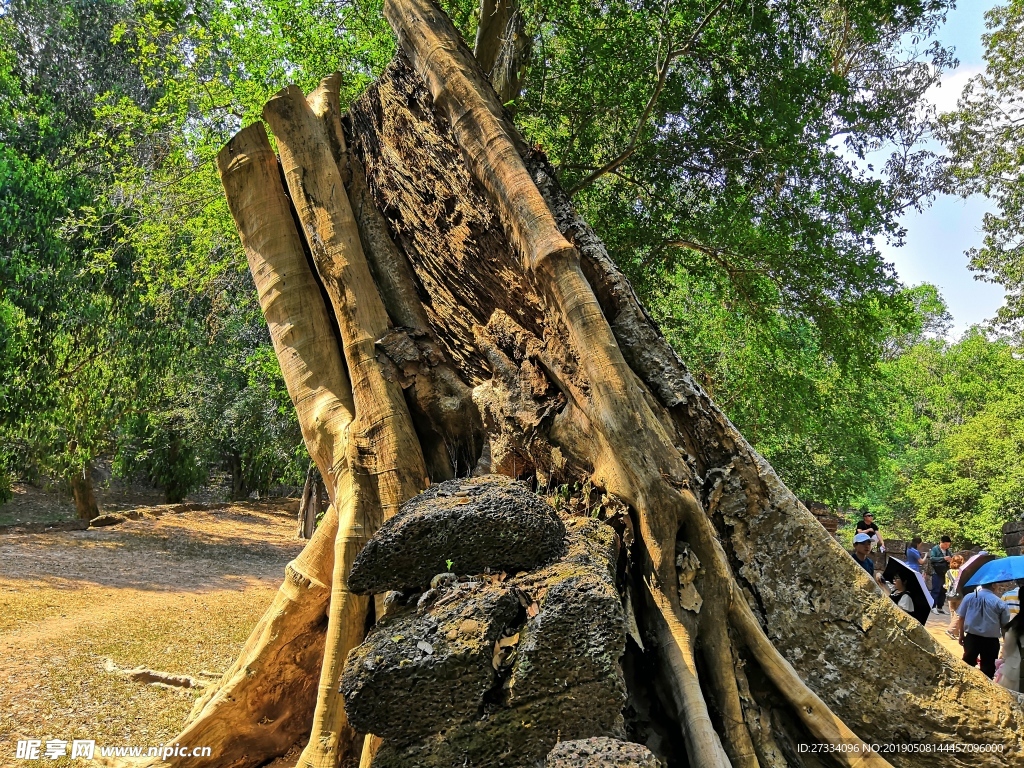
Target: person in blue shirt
point(861, 550)
point(914, 557)
point(982, 617)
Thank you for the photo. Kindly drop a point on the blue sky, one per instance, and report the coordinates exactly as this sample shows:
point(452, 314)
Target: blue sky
point(938, 237)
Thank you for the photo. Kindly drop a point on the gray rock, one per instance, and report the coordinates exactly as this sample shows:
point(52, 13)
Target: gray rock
point(421, 672)
point(601, 752)
point(561, 680)
point(102, 520)
point(579, 633)
point(480, 523)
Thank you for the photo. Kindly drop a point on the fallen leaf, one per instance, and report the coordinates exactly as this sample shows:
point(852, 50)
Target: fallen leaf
point(499, 649)
point(505, 642)
point(426, 647)
point(532, 609)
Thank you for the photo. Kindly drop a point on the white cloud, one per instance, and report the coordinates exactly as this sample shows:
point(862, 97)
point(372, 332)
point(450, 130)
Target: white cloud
point(945, 93)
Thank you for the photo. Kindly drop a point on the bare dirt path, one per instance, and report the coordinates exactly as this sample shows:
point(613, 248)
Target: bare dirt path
point(173, 592)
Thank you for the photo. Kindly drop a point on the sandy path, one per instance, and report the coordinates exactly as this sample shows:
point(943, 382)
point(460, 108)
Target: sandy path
point(175, 592)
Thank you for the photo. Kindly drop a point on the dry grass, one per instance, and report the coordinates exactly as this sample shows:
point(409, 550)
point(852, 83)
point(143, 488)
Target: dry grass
point(177, 593)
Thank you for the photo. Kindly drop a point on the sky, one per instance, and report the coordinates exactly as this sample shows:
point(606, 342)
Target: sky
point(938, 237)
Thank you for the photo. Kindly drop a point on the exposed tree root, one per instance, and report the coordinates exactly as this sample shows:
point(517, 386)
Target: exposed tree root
point(264, 702)
point(384, 458)
point(818, 718)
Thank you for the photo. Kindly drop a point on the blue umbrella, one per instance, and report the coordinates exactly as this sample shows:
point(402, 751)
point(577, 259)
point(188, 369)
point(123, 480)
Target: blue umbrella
point(1003, 569)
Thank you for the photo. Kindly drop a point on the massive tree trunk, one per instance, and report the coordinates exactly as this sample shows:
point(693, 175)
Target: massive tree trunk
point(438, 307)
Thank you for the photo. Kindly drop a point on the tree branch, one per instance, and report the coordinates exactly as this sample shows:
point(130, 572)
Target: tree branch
point(645, 115)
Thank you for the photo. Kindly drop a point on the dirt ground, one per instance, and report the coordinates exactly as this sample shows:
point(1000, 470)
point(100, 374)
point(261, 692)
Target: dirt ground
point(48, 503)
point(172, 591)
point(176, 592)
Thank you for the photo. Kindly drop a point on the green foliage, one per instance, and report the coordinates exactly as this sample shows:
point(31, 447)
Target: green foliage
point(985, 136)
point(820, 427)
point(155, 445)
point(705, 140)
point(119, 255)
point(956, 432)
point(718, 148)
point(81, 346)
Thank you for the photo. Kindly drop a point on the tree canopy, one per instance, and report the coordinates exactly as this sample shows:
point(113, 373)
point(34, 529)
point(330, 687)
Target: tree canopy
point(985, 137)
point(719, 149)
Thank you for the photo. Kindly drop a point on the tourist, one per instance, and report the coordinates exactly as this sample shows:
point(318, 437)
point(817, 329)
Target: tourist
point(1012, 599)
point(900, 592)
point(982, 617)
point(861, 550)
point(867, 525)
point(914, 557)
point(1013, 649)
point(939, 558)
point(955, 563)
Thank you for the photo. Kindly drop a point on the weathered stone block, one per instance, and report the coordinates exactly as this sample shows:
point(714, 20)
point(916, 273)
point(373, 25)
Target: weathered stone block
point(579, 633)
point(419, 672)
point(519, 737)
point(562, 679)
point(601, 752)
point(489, 522)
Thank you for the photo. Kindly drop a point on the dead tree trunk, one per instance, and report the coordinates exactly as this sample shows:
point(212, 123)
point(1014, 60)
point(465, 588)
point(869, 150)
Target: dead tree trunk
point(82, 491)
point(309, 503)
point(438, 307)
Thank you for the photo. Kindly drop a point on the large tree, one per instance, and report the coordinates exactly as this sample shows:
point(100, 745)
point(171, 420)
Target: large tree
point(438, 306)
point(985, 137)
point(716, 147)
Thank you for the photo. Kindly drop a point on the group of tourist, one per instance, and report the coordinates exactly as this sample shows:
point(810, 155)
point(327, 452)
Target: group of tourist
point(979, 617)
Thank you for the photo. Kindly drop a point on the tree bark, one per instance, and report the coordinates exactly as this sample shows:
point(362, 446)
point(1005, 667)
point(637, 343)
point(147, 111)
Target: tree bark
point(86, 506)
point(304, 503)
point(310, 503)
point(502, 46)
point(430, 290)
point(265, 702)
point(387, 465)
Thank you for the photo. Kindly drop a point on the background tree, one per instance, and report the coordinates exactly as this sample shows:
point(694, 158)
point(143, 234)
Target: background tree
point(84, 345)
point(985, 137)
point(703, 140)
point(110, 293)
point(955, 428)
